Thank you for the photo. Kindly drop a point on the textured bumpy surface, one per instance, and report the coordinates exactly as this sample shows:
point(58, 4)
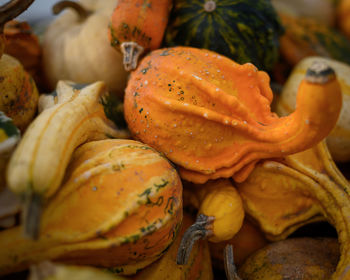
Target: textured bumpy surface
point(212, 116)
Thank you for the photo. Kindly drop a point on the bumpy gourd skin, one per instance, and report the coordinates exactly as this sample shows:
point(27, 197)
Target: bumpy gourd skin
point(212, 116)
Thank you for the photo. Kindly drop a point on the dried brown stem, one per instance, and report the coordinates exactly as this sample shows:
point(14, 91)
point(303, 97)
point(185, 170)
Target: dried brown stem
point(31, 215)
point(199, 230)
point(79, 9)
point(131, 52)
point(12, 9)
point(230, 267)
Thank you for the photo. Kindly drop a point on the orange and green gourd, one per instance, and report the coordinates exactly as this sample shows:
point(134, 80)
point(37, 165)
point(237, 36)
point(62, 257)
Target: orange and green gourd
point(212, 116)
point(119, 207)
point(243, 30)
point(305, 37)
point(137, 27)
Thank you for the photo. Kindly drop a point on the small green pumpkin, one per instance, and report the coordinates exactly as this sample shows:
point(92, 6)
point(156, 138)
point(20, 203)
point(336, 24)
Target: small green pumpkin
point(243, 30)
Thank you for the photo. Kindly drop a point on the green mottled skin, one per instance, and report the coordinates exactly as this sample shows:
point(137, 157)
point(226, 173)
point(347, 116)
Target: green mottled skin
point(243, 30)
point(6, 124)
point(322, 39)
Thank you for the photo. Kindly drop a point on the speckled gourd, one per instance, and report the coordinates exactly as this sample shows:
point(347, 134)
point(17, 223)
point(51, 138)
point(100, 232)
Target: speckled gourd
point(212, 116)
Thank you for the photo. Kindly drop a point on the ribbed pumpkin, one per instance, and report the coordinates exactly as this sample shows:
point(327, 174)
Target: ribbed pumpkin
point(120, 206)
point(243, 30)
point(212, 116)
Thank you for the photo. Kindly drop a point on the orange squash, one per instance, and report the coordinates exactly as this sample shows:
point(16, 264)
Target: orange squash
point(212, 117)
point(120, 207)
point(137, 27)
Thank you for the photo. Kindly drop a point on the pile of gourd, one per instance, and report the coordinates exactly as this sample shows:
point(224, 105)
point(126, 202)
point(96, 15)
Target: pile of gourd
point(172, 139)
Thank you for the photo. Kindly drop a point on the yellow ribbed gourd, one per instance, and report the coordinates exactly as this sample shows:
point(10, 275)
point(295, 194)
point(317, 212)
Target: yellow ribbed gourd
point(68, 118)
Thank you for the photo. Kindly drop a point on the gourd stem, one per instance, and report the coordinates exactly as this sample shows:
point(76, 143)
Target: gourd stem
point(79, 9)
point(11, 10)
point(131, 52)
point(199, 230)
point(230, 267)
point(31, 215)
point(319, 73)
point(210, 6)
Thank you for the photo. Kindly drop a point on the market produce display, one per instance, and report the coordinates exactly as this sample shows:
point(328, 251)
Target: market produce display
point(172, 139)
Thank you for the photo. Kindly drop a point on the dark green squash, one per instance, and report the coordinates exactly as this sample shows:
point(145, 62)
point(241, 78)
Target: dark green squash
point(243, 30)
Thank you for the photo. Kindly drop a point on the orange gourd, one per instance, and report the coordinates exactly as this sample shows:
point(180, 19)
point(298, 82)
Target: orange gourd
point(137, 27)
point(212, 116)
point(120, 206)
